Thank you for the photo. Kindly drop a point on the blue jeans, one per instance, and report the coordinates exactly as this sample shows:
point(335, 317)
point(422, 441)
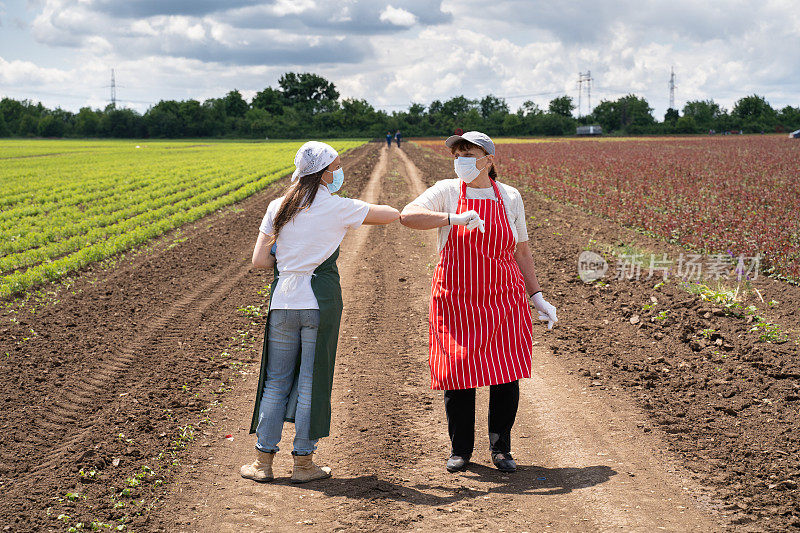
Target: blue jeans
point(292, 334)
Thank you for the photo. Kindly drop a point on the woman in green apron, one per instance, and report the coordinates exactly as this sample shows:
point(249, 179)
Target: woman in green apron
point(300, 237)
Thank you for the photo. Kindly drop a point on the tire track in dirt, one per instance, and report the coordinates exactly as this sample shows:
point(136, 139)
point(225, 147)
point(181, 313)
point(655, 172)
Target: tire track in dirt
point(164, 329)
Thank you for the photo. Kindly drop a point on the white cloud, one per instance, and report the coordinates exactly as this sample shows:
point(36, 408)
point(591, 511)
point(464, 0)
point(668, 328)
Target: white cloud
point(28, 73)
point(398, 16)
point(391, 56)
point(292, 7)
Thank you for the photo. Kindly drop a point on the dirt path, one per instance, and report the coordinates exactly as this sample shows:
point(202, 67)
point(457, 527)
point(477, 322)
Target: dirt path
point(584, 465)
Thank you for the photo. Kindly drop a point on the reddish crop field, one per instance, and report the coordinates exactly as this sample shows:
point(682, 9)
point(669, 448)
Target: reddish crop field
point(731, 195)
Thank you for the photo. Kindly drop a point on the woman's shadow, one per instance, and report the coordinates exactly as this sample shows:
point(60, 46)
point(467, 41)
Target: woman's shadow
point(530, 480)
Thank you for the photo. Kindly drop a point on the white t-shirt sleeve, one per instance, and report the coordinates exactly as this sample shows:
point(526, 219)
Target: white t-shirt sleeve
point(352, 212)
point(433, 199)
point(269, 216)
point(519, 221)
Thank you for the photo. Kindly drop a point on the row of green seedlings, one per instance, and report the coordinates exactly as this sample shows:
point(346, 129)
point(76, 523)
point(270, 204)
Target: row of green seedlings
point(129, 235)
point(133, 213)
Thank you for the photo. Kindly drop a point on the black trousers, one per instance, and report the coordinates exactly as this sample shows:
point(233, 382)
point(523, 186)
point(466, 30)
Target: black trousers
point(460, 408)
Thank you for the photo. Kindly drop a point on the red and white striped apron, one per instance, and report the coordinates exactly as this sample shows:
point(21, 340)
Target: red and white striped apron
point(480, 323)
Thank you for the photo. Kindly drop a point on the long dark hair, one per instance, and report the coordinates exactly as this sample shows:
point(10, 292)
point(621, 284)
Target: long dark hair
point(465, 145)
point(300, 195)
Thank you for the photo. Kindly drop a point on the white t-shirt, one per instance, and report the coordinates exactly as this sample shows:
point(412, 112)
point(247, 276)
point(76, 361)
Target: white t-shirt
point(306, 241)
point(443, 197)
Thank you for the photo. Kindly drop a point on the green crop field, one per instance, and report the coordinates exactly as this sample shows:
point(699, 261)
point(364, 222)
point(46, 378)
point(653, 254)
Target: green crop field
point(66, 204)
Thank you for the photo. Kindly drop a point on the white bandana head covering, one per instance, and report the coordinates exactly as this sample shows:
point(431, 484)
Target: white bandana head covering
point(312, 157)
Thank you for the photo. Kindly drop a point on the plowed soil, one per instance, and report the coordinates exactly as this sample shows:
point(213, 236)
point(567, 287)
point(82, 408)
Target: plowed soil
point(130, 388)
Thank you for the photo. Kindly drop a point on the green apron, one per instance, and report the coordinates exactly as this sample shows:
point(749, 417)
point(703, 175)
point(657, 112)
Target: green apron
point(328, 291)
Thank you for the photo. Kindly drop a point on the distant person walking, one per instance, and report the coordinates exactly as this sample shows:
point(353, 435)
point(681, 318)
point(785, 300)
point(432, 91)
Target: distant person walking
point(397, 138)
point(389, 139)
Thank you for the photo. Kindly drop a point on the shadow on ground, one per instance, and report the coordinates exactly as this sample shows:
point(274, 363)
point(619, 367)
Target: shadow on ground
point(531, 480)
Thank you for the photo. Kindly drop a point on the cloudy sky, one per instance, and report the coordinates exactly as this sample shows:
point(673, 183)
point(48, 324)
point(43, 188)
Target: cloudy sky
point(61, 52)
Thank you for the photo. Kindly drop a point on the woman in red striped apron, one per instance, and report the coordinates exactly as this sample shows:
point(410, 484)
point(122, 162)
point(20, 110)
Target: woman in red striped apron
point(480, 320)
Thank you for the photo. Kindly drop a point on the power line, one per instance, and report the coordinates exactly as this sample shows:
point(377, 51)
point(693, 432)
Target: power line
point(79, 97)
point(505, 97)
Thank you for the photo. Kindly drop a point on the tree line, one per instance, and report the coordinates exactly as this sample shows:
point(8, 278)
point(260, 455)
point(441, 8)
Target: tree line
point(305, 104)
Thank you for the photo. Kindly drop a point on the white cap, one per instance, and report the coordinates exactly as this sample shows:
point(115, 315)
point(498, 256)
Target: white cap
point(312, 157)
point(475, 137)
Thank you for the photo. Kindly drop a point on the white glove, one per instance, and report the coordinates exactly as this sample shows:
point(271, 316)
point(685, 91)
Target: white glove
point(469, 219)
point(546, 311)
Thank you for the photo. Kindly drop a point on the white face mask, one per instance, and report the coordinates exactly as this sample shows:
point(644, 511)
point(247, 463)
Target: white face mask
point(466, 169)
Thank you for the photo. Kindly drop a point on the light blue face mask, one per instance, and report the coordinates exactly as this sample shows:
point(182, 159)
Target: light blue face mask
point(338, 179)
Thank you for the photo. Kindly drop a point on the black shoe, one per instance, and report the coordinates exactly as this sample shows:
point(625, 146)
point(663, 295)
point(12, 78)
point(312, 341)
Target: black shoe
point(504, 462)
point(456, 463)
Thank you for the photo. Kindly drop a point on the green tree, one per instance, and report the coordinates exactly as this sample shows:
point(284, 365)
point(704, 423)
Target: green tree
point(164, 120)
point(635, 113)
point(492, 105)
point(457, 107)
point(629, 114)
point(308, 92)
point(121, 123)
point(754, 114)
point(192, 116)
point(562, 106)
point(50, 126)
point(87, 122)
point(671, 116)
point(4, 131)
point(686, 124)
point(513, 124)
point(752, 107)
point(471, 120)
point(12, 112)
point(706, 114)
point(270, 100)
point(555, 124)
point(413, 118)
point(530, 108)
point(789, 118)
point(356, 115)
point(235, 106)
point(260, 121)
point(215, 115)
point(28, 126)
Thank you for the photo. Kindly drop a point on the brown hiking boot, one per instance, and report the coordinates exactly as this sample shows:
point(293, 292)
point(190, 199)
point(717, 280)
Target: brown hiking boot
point(261, 469)
point(305, 469)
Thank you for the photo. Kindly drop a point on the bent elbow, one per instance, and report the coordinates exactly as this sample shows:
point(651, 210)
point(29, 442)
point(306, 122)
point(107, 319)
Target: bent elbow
point(406, 215)
point(394, 214)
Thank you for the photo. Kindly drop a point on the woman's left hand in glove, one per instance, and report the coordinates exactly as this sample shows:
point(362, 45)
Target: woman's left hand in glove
point(546, 310)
